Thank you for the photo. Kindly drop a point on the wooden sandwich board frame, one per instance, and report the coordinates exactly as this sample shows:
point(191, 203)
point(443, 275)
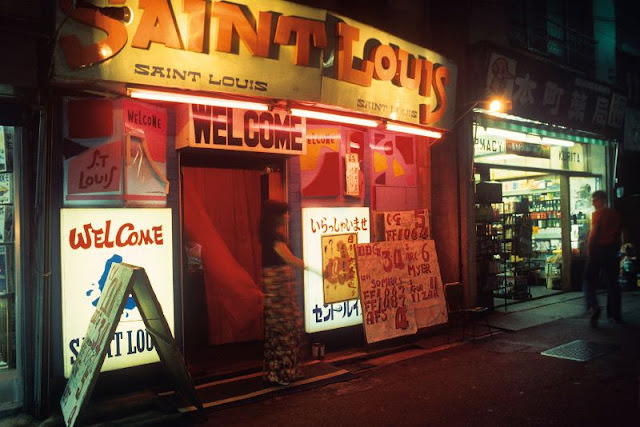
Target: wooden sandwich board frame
point(123, 280)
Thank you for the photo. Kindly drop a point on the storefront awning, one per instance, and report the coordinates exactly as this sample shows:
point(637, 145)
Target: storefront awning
point(532, 127)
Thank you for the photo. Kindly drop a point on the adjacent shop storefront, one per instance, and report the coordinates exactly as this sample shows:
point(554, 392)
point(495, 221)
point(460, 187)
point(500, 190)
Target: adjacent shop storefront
point(186, 116)
point(21, 120)
point(535, 169)
point(11, 258)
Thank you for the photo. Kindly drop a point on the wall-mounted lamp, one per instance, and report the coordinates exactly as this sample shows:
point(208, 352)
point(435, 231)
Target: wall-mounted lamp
point(497, 105)
point(492, 106)
point(413, 130)
point(154, 95)
point(330, 117)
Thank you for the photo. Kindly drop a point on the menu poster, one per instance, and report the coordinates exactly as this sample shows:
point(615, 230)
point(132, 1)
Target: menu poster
point(339, 270)
point(6, 188)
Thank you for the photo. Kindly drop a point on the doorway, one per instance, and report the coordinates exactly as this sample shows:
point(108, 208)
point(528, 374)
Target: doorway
point(222, 284)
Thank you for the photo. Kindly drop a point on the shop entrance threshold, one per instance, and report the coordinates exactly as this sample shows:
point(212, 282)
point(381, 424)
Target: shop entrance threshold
point(249, 388)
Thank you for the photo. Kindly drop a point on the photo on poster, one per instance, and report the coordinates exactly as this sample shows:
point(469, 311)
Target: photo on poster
point(4, 278)
point(3, 150)
point(3, 234)
point(6, 223)
point(339, 270)
point(6, 188)
point(9, 141)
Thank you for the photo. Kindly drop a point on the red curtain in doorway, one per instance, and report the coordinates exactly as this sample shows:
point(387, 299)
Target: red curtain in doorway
point(221, 213)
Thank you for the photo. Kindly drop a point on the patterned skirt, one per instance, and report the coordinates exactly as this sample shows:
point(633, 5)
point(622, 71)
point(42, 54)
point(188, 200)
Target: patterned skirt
point(282, 332)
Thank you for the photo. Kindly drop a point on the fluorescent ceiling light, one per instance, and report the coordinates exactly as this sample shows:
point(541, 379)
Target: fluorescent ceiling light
point(498, 157)
point(523, 137)
point(537, 139)
point(560, 142)
point(413, 130)
point(339, 118)
point(515, 136)
point(183, 98)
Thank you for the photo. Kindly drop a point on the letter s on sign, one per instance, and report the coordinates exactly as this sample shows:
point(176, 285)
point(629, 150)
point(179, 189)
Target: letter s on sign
point(79, 56)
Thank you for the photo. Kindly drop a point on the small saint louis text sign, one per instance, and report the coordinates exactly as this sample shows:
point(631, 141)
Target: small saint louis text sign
point(123, 280)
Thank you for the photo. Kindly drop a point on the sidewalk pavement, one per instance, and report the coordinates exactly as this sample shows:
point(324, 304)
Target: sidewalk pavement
point(344, 365)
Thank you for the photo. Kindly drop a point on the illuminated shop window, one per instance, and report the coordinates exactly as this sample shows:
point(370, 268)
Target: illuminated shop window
point(7, 283)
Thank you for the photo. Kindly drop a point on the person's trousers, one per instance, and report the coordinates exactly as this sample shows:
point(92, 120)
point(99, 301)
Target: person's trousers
point(602, 268)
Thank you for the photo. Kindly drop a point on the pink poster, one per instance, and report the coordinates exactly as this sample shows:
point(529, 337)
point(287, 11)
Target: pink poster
point(115, 153)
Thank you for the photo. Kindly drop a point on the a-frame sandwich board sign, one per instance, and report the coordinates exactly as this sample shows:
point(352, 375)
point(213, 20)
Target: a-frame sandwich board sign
point(123, 280)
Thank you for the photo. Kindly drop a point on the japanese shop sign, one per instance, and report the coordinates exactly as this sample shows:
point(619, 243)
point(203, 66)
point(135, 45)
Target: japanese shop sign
point(553, 95)
point(323, 228)
point(203, 126)
point(91, 241)
point(402, 225)
point(260, 48)
point(400, 288)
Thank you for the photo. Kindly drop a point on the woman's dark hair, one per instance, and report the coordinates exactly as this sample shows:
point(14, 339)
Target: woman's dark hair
point(599, 194)
point(272, 211)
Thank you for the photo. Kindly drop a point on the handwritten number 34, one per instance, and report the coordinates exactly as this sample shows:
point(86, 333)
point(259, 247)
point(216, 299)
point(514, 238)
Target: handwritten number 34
point(389, 262)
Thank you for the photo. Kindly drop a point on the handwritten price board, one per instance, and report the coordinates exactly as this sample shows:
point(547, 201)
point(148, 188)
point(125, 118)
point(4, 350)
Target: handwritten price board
point(400, 288)
point(402, 225)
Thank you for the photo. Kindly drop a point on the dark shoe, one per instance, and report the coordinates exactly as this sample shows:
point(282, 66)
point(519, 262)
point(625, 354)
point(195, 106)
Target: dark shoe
point(276, 382)
point(595, 313)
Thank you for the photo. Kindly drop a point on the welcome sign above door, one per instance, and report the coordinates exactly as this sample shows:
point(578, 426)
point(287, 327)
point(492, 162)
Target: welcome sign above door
point(221, 128)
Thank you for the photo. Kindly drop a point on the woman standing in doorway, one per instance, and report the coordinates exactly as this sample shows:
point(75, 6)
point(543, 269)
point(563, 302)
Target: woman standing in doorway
point(282, 332)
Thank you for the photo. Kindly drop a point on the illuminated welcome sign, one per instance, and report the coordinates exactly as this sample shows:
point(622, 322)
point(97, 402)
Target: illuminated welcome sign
point(222, 128)
point(93, 239)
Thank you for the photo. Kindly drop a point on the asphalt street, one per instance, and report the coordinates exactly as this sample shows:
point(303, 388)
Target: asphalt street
point(501, 380)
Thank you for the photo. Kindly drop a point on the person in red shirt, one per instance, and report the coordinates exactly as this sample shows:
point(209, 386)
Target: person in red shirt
point(602, 258)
